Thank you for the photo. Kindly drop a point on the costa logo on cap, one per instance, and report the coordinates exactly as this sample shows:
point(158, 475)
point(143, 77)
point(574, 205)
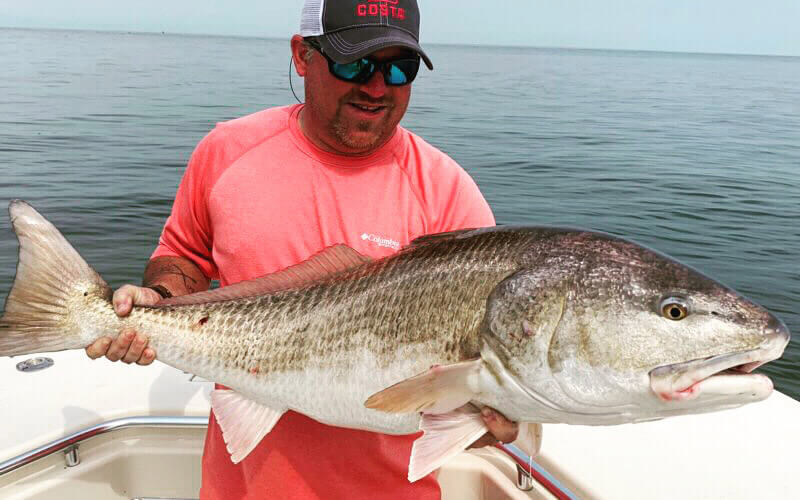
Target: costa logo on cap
point(348, 30)
point(381, 8)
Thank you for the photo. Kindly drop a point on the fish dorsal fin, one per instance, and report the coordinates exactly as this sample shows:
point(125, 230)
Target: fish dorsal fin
point(244, 422)
point(441, 389)
point(329, 262)
point(439, 237)
point(445, 435)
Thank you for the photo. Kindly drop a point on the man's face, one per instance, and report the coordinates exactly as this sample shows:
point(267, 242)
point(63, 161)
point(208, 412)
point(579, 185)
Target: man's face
point(351, 118)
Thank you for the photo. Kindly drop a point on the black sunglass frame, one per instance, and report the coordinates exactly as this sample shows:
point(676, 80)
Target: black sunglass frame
point(364, 76)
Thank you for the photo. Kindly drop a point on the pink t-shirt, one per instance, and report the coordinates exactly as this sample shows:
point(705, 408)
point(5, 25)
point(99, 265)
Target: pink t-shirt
point(257, 197)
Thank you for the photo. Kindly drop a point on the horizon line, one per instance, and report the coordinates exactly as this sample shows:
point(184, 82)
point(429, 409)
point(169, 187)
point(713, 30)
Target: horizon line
point(452, 44)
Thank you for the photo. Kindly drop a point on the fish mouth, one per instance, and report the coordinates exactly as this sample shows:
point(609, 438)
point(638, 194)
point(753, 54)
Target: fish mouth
point(724, 375)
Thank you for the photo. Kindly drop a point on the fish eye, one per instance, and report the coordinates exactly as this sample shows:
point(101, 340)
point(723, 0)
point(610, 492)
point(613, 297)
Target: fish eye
point(674, 308)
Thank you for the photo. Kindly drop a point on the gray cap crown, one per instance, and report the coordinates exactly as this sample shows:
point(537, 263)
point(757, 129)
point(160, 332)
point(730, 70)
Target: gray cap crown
point(351, 29)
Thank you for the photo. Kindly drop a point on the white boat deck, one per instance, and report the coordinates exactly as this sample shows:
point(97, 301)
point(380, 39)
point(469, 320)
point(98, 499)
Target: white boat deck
point(76, 393)
point(736, 454)
point(746, 453)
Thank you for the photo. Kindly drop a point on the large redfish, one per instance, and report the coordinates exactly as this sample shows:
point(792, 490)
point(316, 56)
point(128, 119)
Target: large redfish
point(543, 324)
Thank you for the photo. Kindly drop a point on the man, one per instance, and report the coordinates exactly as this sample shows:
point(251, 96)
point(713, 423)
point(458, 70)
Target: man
point(271, 189)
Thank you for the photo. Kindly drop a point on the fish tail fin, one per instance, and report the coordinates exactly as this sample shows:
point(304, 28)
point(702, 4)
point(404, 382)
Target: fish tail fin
point(40, 313)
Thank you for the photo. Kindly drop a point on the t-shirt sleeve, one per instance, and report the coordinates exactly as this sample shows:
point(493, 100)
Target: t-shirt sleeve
point(461, 206)
point(187, 230)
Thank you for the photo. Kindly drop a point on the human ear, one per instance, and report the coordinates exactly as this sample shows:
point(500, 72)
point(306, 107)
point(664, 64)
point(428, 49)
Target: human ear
point(300, 54)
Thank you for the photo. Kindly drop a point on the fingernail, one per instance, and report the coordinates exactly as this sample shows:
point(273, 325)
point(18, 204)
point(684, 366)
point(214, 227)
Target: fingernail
point(486, 412)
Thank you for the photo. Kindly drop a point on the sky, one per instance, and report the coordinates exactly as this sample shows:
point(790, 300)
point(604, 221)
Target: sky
point(715, 26)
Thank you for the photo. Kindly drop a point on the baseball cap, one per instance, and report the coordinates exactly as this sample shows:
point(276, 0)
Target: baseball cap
point(350, 29)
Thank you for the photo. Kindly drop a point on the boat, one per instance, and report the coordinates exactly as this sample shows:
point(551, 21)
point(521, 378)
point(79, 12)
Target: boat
point(76, 428)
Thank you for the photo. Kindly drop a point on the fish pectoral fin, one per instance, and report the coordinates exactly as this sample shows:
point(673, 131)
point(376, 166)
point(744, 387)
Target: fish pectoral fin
point(441, 389)
point(445, 435)
point(244, 422)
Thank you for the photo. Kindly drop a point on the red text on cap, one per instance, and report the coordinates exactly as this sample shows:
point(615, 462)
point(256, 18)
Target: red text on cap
point(381, 8)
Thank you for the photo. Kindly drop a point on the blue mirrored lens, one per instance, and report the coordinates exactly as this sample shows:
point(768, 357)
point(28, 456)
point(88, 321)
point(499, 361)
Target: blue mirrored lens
point(395, 75)
point(401, 71)
point(355, 70)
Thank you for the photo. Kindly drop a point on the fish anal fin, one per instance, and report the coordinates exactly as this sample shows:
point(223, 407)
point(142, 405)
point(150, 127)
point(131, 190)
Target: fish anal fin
point(438, 390)
point(325, 264)
point(445, 435)
point(244, 422)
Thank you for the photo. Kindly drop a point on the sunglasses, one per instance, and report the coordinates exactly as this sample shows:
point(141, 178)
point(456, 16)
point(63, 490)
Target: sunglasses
point(396, 72)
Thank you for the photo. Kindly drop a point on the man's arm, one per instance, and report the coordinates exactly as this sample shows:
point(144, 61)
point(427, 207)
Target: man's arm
point(179, 275)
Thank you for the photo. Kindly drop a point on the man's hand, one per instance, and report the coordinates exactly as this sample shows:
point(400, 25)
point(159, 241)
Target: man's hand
point(130, 346)
point(500, 429)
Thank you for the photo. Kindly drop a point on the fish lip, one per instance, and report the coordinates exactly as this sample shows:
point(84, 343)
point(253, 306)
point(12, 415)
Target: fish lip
point(678, 381)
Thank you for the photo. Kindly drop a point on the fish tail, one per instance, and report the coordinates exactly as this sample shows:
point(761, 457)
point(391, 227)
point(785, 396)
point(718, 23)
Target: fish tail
point(53, 281)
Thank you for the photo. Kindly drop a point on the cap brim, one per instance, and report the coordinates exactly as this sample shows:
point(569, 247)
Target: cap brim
point(346, 46)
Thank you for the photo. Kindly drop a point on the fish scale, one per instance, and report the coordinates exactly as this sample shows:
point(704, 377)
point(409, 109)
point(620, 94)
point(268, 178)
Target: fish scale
point(353, 312)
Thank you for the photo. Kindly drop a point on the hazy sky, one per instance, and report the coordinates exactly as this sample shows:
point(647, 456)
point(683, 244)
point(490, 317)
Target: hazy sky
point(731, 26)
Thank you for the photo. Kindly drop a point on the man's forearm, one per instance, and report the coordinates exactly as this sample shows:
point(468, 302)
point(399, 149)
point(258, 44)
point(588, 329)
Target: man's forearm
point(179, 275)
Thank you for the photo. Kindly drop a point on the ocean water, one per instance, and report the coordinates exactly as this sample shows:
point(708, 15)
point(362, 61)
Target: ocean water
point(695, 155)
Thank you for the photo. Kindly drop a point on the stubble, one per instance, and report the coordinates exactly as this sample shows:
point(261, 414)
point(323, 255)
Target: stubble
point(368, 135)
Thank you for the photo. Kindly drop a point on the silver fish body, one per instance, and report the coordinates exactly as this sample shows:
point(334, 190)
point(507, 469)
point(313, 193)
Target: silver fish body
point(543, 324)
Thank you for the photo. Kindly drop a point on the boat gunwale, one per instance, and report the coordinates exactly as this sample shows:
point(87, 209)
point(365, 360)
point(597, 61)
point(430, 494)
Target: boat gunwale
point(106, 427)
point(521, 459)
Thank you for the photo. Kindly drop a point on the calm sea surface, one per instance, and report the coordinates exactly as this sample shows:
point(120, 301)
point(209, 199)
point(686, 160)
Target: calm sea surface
point(695, 155)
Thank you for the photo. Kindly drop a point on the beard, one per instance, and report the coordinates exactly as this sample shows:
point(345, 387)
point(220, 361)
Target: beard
point(361, 134)
point(368, 137)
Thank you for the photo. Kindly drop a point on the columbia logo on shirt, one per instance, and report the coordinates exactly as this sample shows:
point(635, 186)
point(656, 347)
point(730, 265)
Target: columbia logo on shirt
point(381, 241)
